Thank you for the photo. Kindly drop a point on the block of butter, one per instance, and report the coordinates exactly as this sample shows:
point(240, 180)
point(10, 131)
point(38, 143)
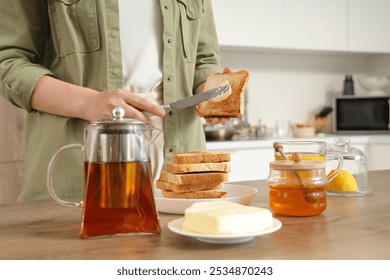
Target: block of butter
point(224, 217)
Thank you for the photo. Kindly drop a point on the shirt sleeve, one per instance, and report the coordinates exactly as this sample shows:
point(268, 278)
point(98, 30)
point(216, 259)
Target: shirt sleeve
point(25, 29)
point(208, 56)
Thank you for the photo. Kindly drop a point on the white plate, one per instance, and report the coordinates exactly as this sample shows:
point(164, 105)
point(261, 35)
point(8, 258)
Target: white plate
point(235, 193)
point(176, 227)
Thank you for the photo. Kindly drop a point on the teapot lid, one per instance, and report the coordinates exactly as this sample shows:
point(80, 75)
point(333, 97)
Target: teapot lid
point(118, 117)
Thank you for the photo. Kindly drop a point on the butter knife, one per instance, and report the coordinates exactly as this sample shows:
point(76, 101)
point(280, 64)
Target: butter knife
point(197, 98)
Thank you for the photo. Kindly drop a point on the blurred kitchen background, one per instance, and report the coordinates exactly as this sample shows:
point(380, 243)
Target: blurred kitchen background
point(298, 53)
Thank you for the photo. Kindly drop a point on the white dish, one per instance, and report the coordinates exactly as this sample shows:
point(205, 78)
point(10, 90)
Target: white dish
point(176, 227)
point(235, 193)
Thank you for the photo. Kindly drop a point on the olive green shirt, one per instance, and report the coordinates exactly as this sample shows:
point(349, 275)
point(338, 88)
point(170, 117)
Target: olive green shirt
point(77, 41)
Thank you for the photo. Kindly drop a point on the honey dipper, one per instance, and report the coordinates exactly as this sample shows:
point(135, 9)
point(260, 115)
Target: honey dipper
point(297, 157)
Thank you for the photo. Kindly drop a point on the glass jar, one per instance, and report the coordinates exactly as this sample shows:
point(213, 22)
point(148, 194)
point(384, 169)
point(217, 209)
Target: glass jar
point(352, 179)
point(298, 188)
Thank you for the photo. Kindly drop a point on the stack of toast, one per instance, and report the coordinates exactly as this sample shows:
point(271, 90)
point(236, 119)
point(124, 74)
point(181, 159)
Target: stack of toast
point(195, 175)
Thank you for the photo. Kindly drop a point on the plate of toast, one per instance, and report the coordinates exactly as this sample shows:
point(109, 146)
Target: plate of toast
point(231, 192)
point(195, 177)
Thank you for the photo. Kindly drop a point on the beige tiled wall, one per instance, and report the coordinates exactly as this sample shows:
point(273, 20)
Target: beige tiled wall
point(12, 123)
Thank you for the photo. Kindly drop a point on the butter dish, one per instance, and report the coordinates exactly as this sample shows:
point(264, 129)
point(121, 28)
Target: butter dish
point(176, 226)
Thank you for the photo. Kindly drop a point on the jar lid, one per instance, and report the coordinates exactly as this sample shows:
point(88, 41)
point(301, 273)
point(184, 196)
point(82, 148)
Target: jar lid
point(343, 146)
point(297, 164)
point(302, 165)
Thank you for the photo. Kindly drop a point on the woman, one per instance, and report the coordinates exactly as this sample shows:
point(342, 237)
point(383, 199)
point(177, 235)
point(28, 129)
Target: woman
point(70, 61)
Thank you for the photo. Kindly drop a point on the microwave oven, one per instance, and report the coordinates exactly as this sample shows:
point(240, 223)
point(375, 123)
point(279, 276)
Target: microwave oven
point(361, 114)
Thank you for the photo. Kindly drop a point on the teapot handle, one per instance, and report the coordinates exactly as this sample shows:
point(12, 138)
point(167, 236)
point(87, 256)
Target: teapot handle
point(336, 171)
point(49, 177)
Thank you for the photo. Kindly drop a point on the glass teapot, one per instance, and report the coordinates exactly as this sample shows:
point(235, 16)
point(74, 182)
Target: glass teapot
point(118, 195)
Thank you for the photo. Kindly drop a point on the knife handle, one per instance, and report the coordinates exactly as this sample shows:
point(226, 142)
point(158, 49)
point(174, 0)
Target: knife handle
point(166, 107)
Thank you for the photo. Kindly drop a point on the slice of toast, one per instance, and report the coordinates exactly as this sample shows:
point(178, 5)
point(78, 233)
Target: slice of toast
point(200, 157)
point(197, 167)
point(163, 185)
point(233, 105)
point(205, 178)
point(194, 195)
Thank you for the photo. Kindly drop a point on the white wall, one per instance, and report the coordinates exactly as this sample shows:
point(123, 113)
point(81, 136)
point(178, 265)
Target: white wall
point(293, 85)
point(380, 65)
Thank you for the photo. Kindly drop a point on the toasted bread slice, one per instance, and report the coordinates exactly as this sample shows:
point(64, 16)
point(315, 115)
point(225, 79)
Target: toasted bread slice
point(233, 105)
point(200, 157)
point(194, 195)
point(187, 188)
point(205, 178)
point(197, 167)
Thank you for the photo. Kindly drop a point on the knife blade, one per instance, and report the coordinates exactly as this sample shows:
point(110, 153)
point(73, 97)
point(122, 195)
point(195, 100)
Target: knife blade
point(197, 98)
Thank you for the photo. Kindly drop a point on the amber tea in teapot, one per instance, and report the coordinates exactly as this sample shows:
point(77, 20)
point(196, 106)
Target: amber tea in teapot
point(131, 199)
point(119, 195)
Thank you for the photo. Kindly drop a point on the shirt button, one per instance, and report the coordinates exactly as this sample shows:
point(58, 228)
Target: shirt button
point(171, 150)
point(116, 71)
point(169, 41)
point(170, 78)
point(114, 33)
point(170, 113)
point(166, 7)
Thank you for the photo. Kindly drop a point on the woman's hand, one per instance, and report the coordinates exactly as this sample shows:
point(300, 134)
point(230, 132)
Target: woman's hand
point(223, 121)
point(133, 104)
point(60, 98)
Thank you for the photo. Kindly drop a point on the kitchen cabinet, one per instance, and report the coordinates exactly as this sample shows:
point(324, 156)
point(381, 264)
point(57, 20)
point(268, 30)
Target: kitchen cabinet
point(321, 25)
point(250, 164)
point(316, 25)
point(378, 156)
point(369, 25)
point(249, 23)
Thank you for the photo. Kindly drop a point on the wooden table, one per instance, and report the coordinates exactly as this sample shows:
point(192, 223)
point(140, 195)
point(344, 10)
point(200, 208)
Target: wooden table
point(350, 228)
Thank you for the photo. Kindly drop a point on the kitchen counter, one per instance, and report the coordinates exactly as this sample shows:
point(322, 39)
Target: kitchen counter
point(268, 142)
point(250, 158)
point(350, 228)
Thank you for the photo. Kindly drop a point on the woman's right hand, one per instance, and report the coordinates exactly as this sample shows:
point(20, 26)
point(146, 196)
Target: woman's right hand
point(101, 104)
point(60, 98)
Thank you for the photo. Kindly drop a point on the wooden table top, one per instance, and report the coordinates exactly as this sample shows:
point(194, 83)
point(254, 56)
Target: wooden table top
point(350, 228)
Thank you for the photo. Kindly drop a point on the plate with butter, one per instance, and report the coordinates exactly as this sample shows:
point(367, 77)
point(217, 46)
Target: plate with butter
point(224, 222)
point(176, 226)
point(235, 193)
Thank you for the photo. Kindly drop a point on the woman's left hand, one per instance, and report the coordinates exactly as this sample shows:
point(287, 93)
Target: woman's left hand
point(223, 121)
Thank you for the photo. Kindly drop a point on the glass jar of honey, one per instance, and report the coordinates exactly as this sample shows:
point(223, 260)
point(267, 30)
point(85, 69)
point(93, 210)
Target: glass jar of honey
point(298, 187)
